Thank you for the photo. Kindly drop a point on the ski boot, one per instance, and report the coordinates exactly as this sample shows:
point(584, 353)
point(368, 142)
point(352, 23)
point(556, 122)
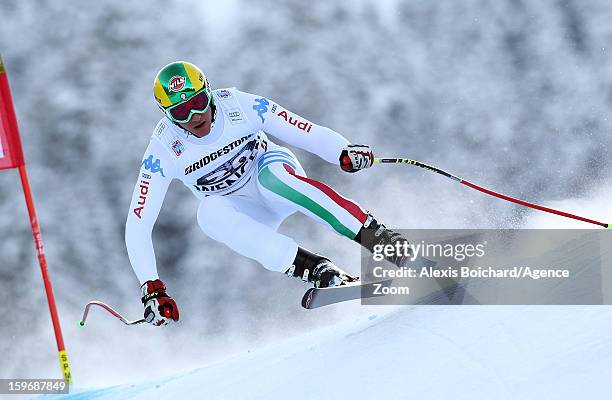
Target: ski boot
point(318, 270)
point(374, 233)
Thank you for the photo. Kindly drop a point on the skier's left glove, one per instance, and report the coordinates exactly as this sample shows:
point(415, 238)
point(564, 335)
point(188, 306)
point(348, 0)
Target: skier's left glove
point(355, 157)
point(160, 309)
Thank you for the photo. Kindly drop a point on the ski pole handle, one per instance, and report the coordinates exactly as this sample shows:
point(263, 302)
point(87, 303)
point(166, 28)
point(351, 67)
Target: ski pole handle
point(110, 310)
point(487, 191)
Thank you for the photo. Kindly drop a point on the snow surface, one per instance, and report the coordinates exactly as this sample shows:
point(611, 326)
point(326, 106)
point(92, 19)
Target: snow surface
point(412, 352)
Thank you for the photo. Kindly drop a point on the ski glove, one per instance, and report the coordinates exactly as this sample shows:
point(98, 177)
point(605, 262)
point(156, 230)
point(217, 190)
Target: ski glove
point(355, 157)
point(159, 308)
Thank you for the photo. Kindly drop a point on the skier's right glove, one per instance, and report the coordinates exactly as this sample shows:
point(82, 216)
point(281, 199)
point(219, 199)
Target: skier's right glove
point(355, 157)
point(159, 308)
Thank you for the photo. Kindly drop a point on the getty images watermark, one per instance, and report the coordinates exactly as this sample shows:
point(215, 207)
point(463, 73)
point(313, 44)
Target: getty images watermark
point(458, 252)
point(492, 267)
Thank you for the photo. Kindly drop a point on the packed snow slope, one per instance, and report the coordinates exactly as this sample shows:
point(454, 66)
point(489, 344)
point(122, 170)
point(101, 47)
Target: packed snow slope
point(413, 352)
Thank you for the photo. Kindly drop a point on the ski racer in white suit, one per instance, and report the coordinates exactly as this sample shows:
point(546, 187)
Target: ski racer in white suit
point(215, 142)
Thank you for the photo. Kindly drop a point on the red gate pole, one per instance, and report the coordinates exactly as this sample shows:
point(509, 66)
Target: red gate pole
point(11, 156)
point(61, 348)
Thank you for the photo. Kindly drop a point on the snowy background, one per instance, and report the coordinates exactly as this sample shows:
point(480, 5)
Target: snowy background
point(515, 95)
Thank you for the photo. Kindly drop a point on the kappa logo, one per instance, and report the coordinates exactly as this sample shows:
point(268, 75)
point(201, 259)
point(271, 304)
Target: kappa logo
point(261, 107)
point(153, 165)
point(176, 83)
point(177, 146)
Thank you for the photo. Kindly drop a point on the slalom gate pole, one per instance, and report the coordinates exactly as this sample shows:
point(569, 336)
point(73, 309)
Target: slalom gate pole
point(485, 190)
point(11, 156)
point(63, 356)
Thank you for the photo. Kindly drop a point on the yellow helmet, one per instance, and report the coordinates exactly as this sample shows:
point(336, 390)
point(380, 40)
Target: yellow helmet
point(177, 82)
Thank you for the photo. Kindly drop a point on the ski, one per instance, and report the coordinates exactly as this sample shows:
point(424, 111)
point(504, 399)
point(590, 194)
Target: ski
point(319, 297)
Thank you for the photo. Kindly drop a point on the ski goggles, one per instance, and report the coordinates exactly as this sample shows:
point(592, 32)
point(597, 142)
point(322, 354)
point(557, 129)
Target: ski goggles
point(183, 112)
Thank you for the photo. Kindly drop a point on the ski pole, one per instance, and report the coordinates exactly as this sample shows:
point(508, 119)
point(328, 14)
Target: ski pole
point(485, 190)
point(110, 310)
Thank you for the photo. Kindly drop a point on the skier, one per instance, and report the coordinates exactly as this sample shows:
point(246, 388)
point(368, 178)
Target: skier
point(215, 142)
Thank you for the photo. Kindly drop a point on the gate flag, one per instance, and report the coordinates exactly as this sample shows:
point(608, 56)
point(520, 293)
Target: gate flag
point(11, 155)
